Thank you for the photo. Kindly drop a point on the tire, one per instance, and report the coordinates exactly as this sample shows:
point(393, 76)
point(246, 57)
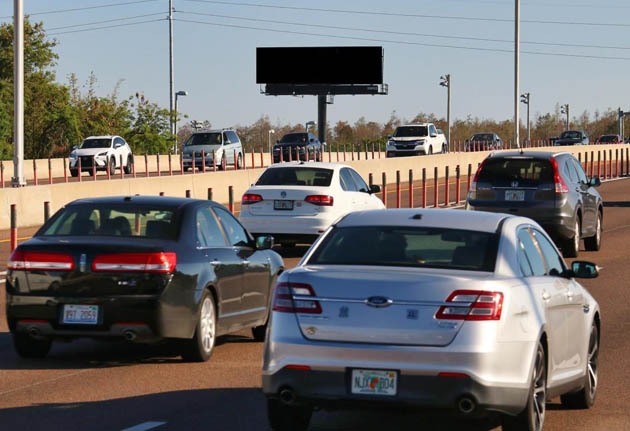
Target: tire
point(259, 332)
point(572, 245)
point(199, 348)
point(29, 347)
point(585, 398)
point(74, 172)
point(288, 418)
point(444, 151)
point(129, 165)
point(533, 417)
point(594, 243)
point(91, 172)
point(112, 166)
point(430, 150)
point(239, 161)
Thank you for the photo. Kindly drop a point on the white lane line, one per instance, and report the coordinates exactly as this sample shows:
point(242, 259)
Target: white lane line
point(144, 426)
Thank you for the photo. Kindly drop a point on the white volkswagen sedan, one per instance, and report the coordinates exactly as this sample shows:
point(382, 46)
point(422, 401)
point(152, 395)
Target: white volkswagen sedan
point(476, 313)
point(296, 202)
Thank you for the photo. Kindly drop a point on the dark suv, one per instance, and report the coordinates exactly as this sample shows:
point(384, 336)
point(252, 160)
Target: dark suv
point(550, 188)
point(297, 146)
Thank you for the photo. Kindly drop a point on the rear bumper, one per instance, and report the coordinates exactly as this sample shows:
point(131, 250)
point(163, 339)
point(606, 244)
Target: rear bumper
point(405, 153)
point(286, 225)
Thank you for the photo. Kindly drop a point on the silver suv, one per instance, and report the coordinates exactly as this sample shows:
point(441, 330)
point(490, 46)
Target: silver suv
point(206, 146)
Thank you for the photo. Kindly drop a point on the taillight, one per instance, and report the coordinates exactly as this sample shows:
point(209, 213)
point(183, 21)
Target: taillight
point(473, 185)
point(135, 262)
point(561, 186)
point(40, 261)
point(285, 299)
point(472, 305)
point(250, 198)
point(321, 200)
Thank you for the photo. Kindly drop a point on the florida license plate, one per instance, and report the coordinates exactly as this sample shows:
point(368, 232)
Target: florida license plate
point(80, 314)
point(374, 382)
point(515, 195)
point(282, 205)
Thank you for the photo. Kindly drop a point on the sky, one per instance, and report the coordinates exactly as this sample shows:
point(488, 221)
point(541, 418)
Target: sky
point(215, 62)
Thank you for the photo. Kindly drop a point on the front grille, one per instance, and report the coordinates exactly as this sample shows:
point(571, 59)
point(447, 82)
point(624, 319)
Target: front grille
point(86, 161)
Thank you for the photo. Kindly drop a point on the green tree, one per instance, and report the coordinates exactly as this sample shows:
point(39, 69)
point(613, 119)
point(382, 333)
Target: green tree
point(149, 132)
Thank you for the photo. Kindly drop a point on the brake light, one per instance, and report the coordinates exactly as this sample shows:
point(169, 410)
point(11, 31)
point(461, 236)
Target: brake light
point(40, 261)
point(298, 367)
point(249, 198)
point(473, 185)
point(159, 262)
point(284, 299)
point(561, 186)
point(321, 200)
point(472, 305)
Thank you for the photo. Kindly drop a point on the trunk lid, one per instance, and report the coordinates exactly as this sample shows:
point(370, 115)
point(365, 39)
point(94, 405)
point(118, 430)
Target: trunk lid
point(402, 304)
point(285, 201)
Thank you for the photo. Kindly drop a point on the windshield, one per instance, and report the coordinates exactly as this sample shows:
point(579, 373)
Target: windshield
point(296, 176)
point(411, 132)
point(525, 171)
point(96, 143)
point(204, 139)
point(482, 137)
point(292, 138)
point(609, 138)
point(408, 246)
point(113, 220)
point(571, 135)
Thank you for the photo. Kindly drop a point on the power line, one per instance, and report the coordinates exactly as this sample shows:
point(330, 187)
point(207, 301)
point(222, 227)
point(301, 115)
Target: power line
point(410, 15)
point(470, 48)
point(402, 33)
point(106, 27)
point(103, 22)
point(83, 8)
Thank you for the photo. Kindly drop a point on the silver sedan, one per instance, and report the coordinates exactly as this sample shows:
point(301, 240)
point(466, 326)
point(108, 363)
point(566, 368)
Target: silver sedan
point(475, 313)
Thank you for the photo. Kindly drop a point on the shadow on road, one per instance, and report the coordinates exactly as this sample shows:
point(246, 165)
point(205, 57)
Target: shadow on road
point(617, 204)
point(237, 409)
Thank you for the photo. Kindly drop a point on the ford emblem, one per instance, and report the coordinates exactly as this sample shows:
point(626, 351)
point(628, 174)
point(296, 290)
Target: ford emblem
point(378, 301)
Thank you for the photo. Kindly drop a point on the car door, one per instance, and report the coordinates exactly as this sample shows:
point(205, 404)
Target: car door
point(228, 149)
point(552, 298)
point(235, 143)
point(226, 263)
point(368, 200)
point(119, 151)
point(353, 198)
point(255, 286)
point(589, 197)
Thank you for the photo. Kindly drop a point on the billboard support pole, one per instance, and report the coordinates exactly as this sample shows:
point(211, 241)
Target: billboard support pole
point(321, 117)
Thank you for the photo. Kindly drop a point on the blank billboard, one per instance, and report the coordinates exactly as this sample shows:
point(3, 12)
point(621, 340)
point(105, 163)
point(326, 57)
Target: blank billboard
point(320, 65)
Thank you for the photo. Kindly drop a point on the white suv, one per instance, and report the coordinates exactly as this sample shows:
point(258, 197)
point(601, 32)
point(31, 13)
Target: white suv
point(416, 139)
point(107, 152)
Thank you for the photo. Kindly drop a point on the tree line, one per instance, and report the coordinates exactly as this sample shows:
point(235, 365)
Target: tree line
point(59, 116)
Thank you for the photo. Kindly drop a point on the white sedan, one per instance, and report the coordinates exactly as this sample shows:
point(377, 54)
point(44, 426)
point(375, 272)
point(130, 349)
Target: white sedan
point(296, 202)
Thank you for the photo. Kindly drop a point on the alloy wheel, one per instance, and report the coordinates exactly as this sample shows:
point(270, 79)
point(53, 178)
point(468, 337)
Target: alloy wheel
point(206, 325)
point(593, 354)
point(539, 394)
point(576, 238)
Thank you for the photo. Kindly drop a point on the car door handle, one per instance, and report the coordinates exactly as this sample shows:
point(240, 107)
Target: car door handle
point(546, 296)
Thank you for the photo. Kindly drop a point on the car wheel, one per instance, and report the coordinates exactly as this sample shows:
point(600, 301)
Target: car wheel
point(29, 347)
point(572, 246)
point(533, 417)
point(430, 150)
point(199, 348)
point(444, 148)
point(129, 165)
point(74, 172)
point(585, 398)
point(259, 332)
point(112, 166)
point(284, 417)
point(594, 243)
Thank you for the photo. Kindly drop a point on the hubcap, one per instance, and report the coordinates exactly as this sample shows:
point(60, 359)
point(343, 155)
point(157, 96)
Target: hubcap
point(539, 394)
point(576, 238)
point(599, 229)
point(593, 353)
point(206, 321)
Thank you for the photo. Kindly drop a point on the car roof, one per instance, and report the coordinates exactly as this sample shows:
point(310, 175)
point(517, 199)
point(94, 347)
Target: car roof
point(415, 124)
point(137, 199)
point(440, 218)
point(102, 137)
point(529, 154)
point(324, 165)
point(213, 130)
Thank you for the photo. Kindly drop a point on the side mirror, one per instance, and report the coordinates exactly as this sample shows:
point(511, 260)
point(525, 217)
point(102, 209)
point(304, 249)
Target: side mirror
point(375, 189)
point(433, 135)
point(264, 242)
point(75, 147)
point(389, 136)
point(594, 182)
point(277, 141)
point(583, 269)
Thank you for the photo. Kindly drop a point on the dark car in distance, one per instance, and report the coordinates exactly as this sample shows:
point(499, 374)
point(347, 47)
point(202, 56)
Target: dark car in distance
point(484, 141)
point(140, 268)
point(610, 139)
point(572, 137)
point(297, 146)
point(550, 188)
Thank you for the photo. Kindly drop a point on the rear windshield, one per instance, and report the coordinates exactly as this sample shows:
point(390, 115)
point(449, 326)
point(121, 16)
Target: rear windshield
point(482, 137)
point(296, 176)
point(571, 135)
point(96, 143)
point(609, 138)
point(294, 138)
point(408, 247)
point(113, 220)
point(411, 131)
point(525, 171)
point(204, 139)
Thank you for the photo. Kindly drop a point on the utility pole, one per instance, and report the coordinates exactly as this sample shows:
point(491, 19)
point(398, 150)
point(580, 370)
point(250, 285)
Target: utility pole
point(620, 114)
point(517, 72)
point(18, 94)
point(525, 98)
point(446, 82)
point(171, 66)
point(564, 109)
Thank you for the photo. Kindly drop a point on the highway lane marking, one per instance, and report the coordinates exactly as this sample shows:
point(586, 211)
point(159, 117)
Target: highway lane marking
point(19, 239)
point(144, 426)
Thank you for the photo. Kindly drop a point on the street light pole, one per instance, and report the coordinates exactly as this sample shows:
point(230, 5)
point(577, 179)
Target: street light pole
point(171, 64)
point(179, 93)
point(517, 53)
point(525, 98)
point(446, 82)
point(18, 94)
point(271, 131)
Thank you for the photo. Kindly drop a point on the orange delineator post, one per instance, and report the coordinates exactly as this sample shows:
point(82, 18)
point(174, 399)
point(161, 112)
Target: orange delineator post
point(435, 188)
point(157, 158)
point(34, 172)
point(458, 194)
point(446, 189)
point(13, 227)
point(410, 188)
point(50, 181)
point(397, 189)
point(231, 199)
point(424, 187)
point(468, 178)
point(384, 188)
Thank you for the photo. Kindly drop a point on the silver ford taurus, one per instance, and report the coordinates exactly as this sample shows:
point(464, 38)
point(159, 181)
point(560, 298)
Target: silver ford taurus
point(444, 309)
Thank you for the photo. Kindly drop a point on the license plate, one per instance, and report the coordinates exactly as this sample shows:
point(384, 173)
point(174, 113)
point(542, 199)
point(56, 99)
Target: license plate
point(283, 205)
point(515, 195)
point(374, 382)
point(80, 314)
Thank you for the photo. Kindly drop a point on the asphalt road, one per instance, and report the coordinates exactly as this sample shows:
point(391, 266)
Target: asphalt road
point(87, 385)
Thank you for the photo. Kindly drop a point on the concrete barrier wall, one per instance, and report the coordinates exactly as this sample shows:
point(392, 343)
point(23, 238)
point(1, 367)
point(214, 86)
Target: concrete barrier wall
point(30, 200)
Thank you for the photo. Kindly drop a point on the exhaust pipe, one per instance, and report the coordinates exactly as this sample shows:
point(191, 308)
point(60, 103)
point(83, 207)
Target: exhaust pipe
point(129, 335)
point(287, 396)
point(466, 405)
